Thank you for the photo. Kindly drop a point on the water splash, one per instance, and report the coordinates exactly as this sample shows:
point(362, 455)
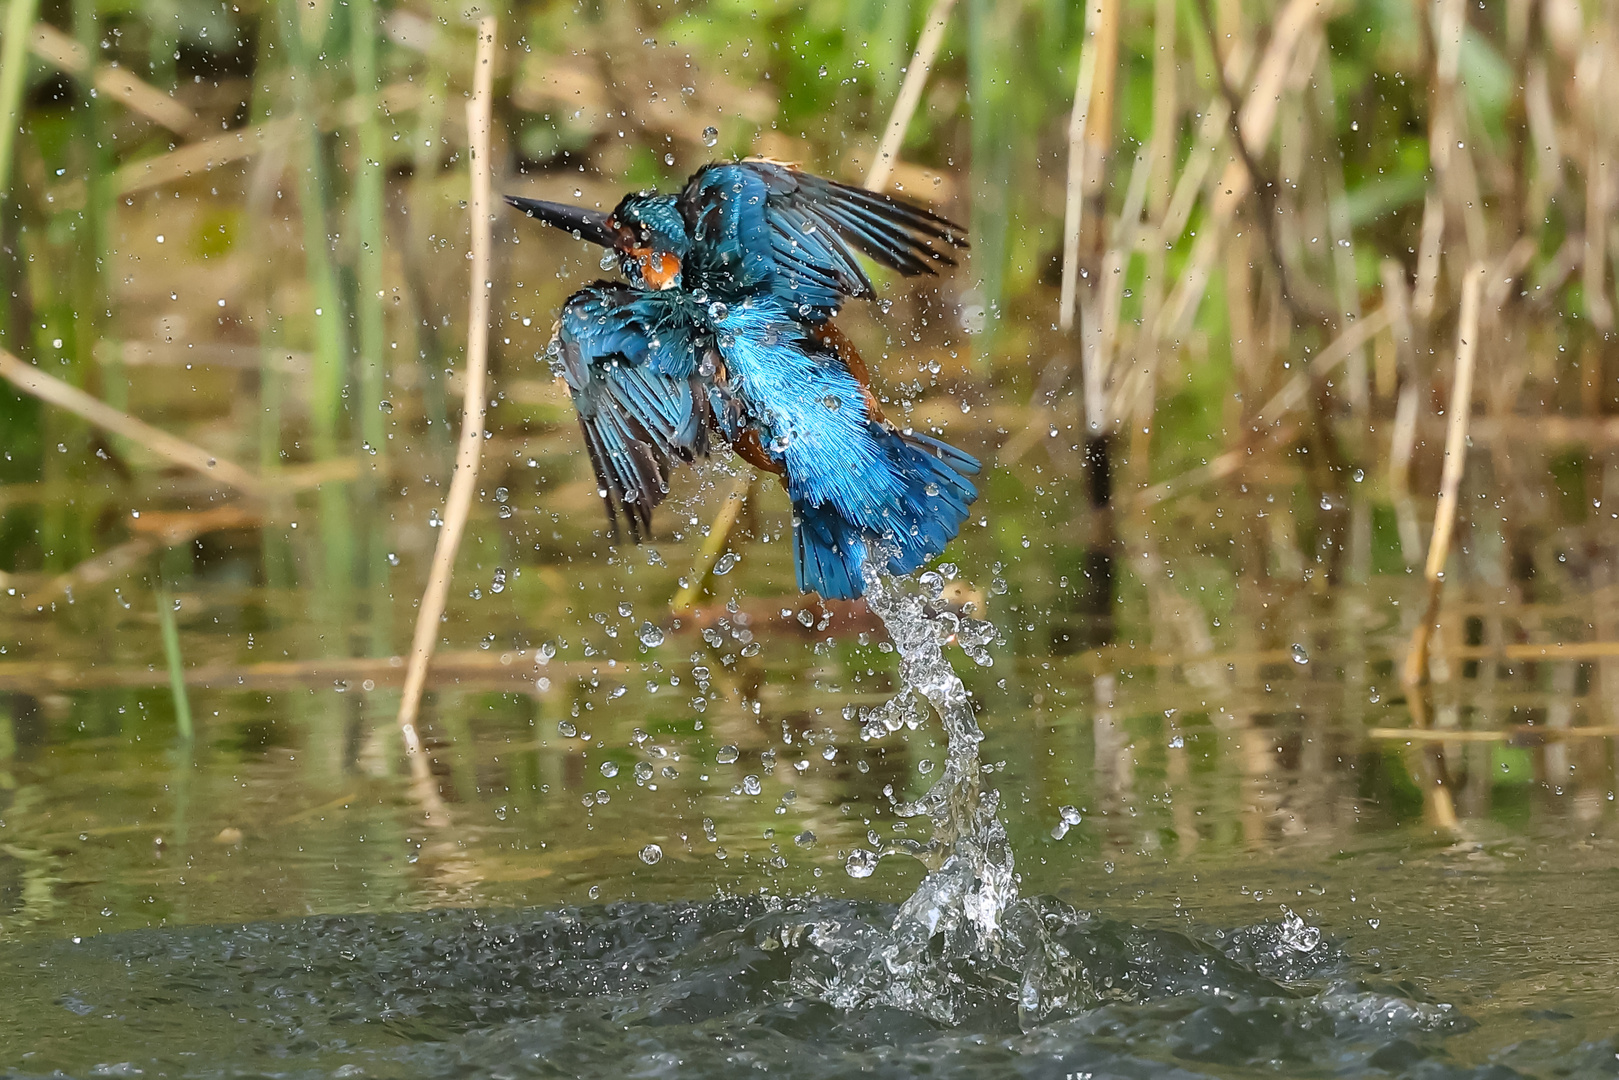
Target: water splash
point(971, 880)
point(955, 919)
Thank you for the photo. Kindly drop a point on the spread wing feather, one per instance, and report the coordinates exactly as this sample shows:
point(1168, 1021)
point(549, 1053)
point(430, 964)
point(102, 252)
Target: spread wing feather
point(763, 222)
point(640, 405)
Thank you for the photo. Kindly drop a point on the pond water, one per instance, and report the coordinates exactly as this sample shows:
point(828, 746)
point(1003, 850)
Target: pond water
point(1227, 855)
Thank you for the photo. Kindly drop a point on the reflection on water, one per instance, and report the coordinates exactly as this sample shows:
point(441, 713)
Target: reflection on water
point(1192, 721)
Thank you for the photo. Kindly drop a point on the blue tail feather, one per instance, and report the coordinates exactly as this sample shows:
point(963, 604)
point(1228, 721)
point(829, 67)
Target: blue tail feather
point(915, 526)
point(827, 553)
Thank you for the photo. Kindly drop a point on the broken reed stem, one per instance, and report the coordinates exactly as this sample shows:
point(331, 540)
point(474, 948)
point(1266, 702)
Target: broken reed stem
point(1074, 198)
point(13, 75)
point(474, 407)
point(718, 534)
point(1293, 394)
point(142, 98)
point(160, 443)
point(910, 94)
point(1444, 519)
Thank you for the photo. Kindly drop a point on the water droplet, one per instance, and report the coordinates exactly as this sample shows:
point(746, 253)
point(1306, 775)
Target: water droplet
point(751, 784)
point(924, 766)
point(609, 769)
point(861, 863)
point(718, 311)
point(643, 771)
point(500, 813)
point(829, 753)
point(1298, 935)
point(595, 892)
point(546, 651)
point(1374, 923)
point(832, 402)
point(1176, 742)
point(609, 260)
point(726, 563)
point(1069, 815)
point(651, 854)
point(1299, 655)
point(650, 635)
point(822, 72)
point(727, 755)
point(1326, 502)
point(804, 839)
point(668, 159)
point(711, 135)
point(566, 729)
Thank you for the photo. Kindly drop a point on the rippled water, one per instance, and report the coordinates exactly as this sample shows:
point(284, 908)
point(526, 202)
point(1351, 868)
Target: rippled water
point(750, 983)
point(1223, 843)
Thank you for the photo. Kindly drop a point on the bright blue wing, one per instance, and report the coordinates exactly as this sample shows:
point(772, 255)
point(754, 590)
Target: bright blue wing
point(630, 363)
point(854, 480)
point(756, 223)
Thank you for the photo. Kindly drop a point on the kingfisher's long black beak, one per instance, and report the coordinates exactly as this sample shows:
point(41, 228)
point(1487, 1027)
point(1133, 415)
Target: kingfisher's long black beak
point(584, 223)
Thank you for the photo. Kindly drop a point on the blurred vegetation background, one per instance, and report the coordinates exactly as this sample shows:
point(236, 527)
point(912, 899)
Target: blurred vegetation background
point(268, 198)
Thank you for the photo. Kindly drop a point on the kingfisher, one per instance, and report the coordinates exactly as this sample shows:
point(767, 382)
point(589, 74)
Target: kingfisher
point(723, 325)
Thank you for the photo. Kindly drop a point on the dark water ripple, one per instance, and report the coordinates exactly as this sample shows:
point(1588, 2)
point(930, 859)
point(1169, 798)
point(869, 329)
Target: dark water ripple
point(642, 990)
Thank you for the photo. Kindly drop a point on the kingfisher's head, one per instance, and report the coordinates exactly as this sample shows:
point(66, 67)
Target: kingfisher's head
point(645, 230)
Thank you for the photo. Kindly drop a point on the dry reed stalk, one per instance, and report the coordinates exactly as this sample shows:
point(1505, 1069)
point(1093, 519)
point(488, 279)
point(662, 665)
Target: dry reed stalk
point(160, 443)
point(1402, 439)
point(180, 164)
point(1162, 140)
point(1162, 144)
point(1122, 243)
point(1074, 199)
point(1519, 735)
point(1542, 123)
point(62, 52)
point(1397, 302)
point(1429, 249)
point(1098, 324)
point(1296, 391)
point(1416, 662)
point(154, 530)
point(1598, 205)
point(910, 93)
point(1345, 289)
point(1296, 32)
point(458, 504)
point(1266, 423)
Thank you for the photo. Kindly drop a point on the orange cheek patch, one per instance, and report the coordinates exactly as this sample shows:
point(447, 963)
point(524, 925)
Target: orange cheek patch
point(659, 269)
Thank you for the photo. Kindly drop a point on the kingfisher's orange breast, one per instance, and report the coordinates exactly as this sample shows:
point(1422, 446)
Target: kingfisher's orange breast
point(658, 267)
